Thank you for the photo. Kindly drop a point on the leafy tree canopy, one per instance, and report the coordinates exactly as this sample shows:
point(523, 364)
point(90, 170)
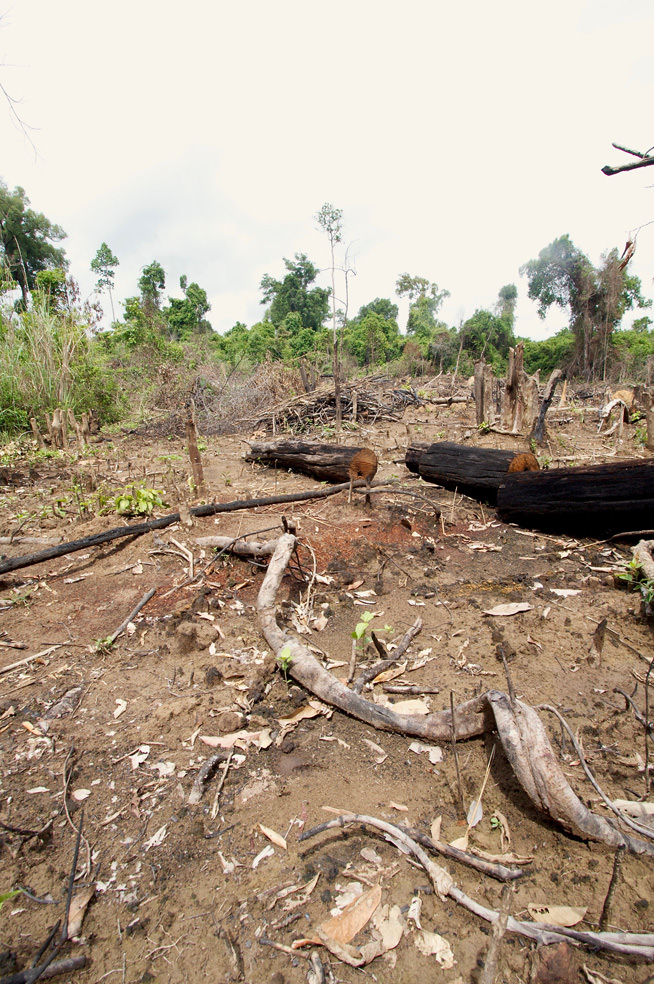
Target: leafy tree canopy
point(373, 339)
point(292, 294)
point(27, 240)
point(426, 298)
point(596, 299)
point(151, 284)
point(104, 264)
point(381, 306)
point(186, 317)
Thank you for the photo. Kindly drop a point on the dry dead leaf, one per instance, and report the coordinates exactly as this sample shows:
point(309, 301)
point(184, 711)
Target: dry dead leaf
point(390, 926)
point(433, 945)
point(344, 927)
point(262, 739)
point(509, 608)
point(557, 915)
point(139, 756)
point(380, 753)
point(121, 708)
point(78, 908)
point(79, 795)
point(156, 839)
point(274, 837)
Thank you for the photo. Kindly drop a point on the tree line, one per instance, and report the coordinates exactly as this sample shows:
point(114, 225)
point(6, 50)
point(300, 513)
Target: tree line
point(305, 322)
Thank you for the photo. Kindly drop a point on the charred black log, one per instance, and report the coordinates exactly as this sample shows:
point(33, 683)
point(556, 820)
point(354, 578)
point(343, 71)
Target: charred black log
point(599, 500)
point(474, 471)
point(326, 462)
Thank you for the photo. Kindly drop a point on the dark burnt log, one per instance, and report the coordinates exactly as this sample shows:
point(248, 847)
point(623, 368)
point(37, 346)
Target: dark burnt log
point(474, 471)
point(413, 454)
point(325, 462)
point(598, 500)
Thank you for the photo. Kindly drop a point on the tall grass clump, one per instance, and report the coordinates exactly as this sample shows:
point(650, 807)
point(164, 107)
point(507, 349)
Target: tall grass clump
point(46, 361)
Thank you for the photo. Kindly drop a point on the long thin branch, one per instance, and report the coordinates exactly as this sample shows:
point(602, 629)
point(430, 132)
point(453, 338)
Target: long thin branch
point(138, 529)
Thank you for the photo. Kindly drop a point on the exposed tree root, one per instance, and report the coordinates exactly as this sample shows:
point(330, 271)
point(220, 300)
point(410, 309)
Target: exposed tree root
point(520, 730)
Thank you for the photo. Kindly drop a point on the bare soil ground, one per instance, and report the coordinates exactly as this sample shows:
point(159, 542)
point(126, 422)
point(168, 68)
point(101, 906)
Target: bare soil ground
point(181, 891)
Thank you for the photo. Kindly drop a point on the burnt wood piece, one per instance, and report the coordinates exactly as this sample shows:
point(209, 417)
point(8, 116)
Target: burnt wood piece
point(601, 500)
point(474, 471)
point(325, 462)
point(413, 454)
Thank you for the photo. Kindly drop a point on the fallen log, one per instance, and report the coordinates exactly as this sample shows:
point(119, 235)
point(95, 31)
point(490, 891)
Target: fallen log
point(600, 500)
point(325, 462)
point(475, 471)
point(138, 529)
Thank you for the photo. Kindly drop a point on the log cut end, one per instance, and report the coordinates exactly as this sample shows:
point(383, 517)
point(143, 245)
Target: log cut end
point(524, 462)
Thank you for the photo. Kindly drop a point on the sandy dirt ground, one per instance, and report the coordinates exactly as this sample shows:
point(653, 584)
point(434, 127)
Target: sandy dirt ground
point(113, 736)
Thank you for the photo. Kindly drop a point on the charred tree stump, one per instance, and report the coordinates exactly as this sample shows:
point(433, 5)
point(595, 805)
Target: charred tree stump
point(520, 398)
point(194, 454)
point(597, 500)
point(38, 436)
point(325, 462)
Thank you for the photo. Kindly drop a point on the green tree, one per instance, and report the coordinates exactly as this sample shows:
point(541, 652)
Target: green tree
point(382, 306)
point(293, 294)
point(104, 264)
point(373, 340)
point(186, 316)
point(151, 284)
point(595, 299)
point(27, 240)
point(507, 299)
point(487, 336)
point(425, 299)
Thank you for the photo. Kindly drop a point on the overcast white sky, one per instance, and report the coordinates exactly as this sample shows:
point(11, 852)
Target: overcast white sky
point(458, 138)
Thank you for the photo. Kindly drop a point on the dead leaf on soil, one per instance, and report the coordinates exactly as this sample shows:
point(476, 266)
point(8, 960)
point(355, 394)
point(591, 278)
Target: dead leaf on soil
point(139, 756)
point(157, 839)
point(557, 915)
point(274, 837)
point(390, 926)
point(510, 608)
point(355, 916)
point(78, 908)
point(241, 739)
point(267, 852)
point(381, 754)
point(433, 945)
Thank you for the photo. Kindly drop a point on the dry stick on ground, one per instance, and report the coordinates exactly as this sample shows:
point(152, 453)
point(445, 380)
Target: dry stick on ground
point(521, 731)
point(456, 756)
point(210, 509)
point(633, 944)
point(109, 641)
point(499, 929)
point(606, 908)
point(372, 671)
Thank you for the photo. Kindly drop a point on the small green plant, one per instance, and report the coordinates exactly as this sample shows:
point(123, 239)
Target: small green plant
point(138, 501)
point(284, 660)
point(360, 635)
point(484, 427)
point(202, 447)
point(8, 896)
point(640, 437)
point(169, 457)
point(634, 578)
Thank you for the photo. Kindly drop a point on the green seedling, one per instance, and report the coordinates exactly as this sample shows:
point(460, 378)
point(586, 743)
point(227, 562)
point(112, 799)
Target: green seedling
point(8, 896)
point(138, 501)
point(284, 660)
point(484, 427)
point(360, 635)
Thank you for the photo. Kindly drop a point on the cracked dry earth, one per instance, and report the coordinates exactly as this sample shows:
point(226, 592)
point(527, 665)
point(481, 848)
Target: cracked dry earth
point(194, 892)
